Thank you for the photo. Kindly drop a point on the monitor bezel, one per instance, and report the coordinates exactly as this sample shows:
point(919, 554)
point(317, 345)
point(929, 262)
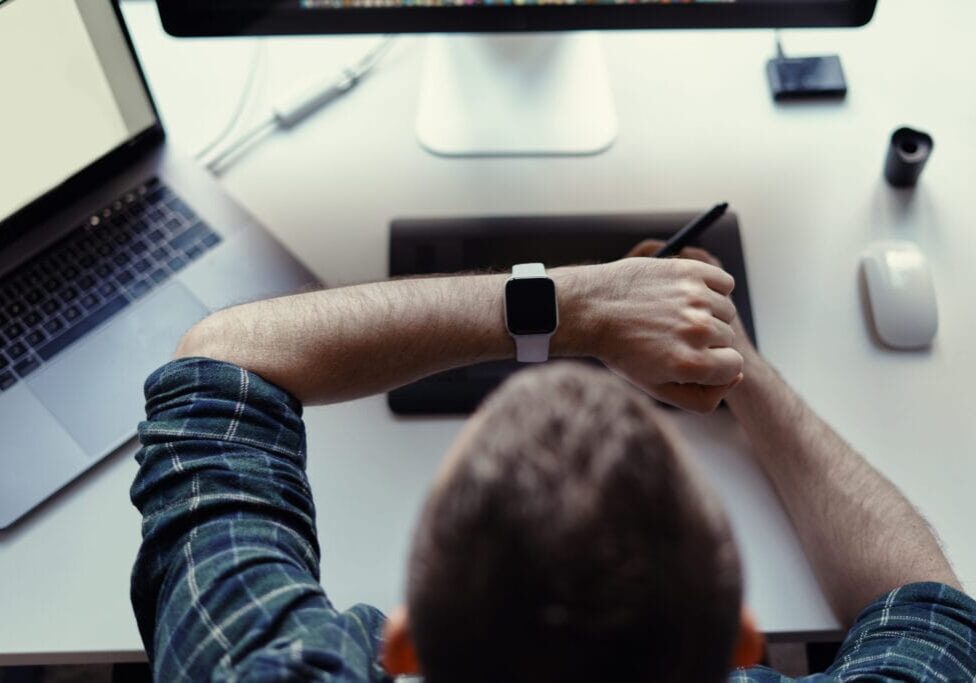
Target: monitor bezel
point(193, 18)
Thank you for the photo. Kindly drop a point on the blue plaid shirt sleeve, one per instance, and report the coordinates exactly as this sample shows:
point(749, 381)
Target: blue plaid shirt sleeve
point(919, 632)
point(226, 583)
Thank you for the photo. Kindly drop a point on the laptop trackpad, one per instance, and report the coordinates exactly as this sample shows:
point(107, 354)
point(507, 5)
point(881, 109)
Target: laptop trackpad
point(95, 388)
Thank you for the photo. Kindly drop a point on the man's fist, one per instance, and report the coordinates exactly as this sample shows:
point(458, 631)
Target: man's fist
point(669, 328)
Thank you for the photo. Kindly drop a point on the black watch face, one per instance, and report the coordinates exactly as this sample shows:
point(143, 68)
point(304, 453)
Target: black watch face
point(530, 305)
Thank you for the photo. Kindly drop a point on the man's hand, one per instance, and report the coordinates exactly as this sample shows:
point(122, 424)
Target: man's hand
point(669, 328)
point(861, 534)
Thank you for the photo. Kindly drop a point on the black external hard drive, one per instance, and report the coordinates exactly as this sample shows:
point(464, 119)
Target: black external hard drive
point(804, 78)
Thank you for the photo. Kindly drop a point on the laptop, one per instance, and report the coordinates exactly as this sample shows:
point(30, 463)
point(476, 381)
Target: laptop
point(111, 246)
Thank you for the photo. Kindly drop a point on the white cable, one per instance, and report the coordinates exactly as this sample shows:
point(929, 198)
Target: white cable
point(256, 58)
point(290, 110)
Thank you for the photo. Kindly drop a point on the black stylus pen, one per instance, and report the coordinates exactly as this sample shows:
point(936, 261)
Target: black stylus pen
point(683, 237)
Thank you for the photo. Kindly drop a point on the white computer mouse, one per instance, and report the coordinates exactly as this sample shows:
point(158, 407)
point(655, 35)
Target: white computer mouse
point(901, 294)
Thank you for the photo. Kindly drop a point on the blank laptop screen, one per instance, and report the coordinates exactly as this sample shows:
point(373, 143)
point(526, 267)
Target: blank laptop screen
point(71, 94)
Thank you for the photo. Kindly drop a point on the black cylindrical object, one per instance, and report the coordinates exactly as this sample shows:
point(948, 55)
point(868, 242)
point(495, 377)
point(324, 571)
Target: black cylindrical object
point(907, 154)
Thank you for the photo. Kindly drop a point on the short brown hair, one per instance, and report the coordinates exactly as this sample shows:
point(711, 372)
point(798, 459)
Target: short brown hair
point(571, 542)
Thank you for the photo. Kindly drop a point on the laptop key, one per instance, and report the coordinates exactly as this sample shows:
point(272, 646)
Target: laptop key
point(179, 207)
point(13, 331)
point(51, 306)
point(7, 380)
point(142, 265)
point(176, 263)
point(35, 278)
point(96, 318)
point(3, 361)
point(53, 326)
point(196, 231)
point(34, 296)
point(72, 313)
point(35, 338)
point(89, 301)
point(211, 239)
point(107, 289)
point(158, 275)
point(16, 350)
point(125, 277)
point(26, 366)
point(139, 288)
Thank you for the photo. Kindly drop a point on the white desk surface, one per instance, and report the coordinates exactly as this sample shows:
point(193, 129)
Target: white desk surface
point(696, 126)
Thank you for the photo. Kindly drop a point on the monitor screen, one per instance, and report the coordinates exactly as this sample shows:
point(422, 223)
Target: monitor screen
point(72, 93)
point(257, 17)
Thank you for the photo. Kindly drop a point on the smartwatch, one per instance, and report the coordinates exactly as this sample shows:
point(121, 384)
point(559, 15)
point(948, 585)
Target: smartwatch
point(531, 314)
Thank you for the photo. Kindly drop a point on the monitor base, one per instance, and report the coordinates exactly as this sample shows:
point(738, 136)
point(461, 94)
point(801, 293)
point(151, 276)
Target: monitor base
point(515, 95)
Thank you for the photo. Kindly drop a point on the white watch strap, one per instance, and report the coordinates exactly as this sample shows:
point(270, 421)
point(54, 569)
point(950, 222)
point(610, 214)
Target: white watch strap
point(532, 348)
point(529, 270)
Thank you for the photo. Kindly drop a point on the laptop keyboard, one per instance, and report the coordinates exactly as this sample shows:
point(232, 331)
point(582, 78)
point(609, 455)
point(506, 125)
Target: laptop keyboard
point(118, 255)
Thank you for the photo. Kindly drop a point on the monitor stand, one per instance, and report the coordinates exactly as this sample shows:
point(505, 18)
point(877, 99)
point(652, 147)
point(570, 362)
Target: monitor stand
point(515, 94)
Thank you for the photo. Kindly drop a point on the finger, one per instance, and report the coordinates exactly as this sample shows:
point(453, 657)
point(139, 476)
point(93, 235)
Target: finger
point(702, 330)
point(717, 279)
point(721, 306)
point(646, 248)
point(713, 276)
point(693, 397)
point(725, 363)
point(714, 367)
point(722, 334)
point(698, 254)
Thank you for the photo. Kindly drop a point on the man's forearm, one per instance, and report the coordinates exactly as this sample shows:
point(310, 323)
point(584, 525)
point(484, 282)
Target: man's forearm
point(340, 344)
point(664, 324)
point(860, 533)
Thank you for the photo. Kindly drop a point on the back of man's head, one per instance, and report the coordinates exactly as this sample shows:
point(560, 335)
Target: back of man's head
point(569, 541)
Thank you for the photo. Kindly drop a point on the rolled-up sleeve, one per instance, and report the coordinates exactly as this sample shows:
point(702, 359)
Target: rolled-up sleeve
point(226, 583)
point(919, 632)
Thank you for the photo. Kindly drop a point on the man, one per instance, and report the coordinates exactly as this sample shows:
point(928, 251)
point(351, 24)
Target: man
point(567, 537)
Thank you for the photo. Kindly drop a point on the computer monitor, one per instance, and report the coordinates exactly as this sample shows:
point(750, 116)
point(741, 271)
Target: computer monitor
point(529, 84)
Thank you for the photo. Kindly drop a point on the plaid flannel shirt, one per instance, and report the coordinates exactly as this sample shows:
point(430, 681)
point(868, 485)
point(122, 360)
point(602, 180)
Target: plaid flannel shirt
point(226, 584)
